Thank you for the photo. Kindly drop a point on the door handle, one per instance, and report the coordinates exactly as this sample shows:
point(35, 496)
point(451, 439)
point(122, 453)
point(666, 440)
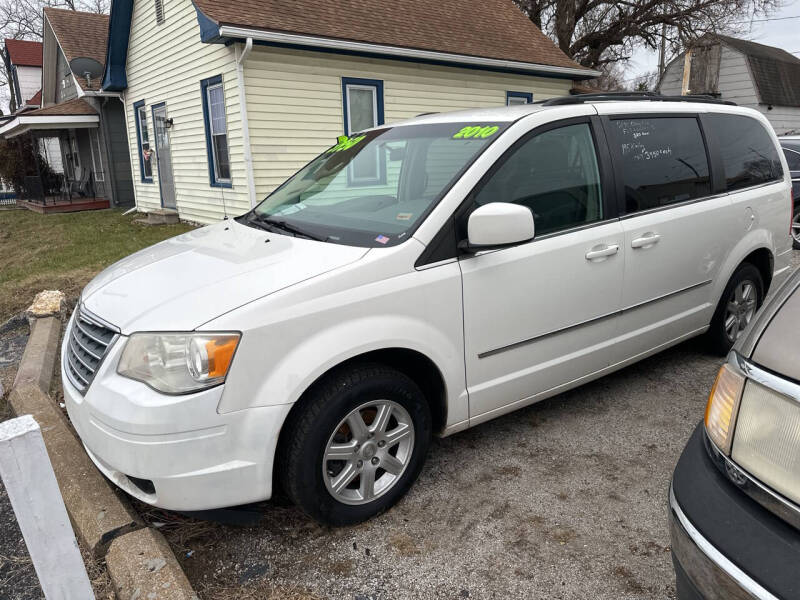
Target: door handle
point(601, 252)
point(646, 240)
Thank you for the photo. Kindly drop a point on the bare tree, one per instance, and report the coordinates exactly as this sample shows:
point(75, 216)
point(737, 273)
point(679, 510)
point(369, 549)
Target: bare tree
point(601, 32)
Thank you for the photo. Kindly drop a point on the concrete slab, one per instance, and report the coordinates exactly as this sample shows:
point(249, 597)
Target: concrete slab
point(142, 566)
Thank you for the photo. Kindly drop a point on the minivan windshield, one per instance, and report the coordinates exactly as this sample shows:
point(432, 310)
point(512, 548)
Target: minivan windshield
point(373, 188)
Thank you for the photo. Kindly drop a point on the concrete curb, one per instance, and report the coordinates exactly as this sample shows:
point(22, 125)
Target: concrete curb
point(142, 566)
point(100, 517)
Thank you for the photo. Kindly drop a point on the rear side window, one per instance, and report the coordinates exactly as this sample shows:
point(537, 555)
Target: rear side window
point(749, 155)
point(663, 161)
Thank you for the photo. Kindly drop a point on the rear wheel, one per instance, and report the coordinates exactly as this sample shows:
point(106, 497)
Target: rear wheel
point(741, 299)
point(356, 445)
point(796, 230)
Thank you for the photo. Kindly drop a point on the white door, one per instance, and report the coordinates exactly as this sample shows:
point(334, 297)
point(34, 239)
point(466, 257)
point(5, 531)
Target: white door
point(677, 232)
point(542, 314)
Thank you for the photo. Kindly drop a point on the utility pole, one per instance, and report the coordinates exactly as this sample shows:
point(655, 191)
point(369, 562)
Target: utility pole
point(662, 52)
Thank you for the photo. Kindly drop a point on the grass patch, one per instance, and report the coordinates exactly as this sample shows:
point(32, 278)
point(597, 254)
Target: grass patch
point(64, 251)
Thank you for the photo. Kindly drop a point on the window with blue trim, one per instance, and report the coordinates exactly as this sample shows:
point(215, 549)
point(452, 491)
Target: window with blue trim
point(219, 162)
point(143, 142)
point(362, 101)
point(515, 98)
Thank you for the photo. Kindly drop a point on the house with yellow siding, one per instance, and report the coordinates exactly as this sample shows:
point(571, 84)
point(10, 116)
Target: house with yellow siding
point(225, 99)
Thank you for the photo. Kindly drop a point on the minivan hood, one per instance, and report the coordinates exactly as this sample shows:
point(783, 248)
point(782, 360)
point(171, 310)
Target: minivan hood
point(776, 348)
point(183, 282)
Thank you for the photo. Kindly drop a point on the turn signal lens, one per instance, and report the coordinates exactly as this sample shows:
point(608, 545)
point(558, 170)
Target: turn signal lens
point(723, 403)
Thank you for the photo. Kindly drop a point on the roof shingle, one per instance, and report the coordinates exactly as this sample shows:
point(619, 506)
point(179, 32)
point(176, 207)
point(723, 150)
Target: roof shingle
point(483, 28)
point(776, 72)
point(76, 106)
point(24, 53)
point(80, 34)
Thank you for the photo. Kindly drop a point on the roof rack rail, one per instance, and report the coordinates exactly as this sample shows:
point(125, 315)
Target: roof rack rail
point(631, 96)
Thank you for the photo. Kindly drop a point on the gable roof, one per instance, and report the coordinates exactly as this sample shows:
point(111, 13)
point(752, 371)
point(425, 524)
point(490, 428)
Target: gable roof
point(776, 73)
point(484, 34)
point(24, 53)
point(80, 34)
point(493, 29)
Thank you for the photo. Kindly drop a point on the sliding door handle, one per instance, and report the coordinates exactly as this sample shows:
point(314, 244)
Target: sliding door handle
point(647, 240)
point(601, 252)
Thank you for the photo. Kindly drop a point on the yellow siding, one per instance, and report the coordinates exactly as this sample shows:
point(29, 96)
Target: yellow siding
point(166, 64)
point(294, 100)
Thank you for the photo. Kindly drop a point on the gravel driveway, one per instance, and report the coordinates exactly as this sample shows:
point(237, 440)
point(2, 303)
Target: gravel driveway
point(563, 499)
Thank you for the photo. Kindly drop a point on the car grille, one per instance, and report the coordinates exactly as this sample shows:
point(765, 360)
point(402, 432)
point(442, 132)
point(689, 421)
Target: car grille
point(89, 340)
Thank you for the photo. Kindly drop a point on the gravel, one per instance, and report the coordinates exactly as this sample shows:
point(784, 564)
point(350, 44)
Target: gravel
point(552, 501)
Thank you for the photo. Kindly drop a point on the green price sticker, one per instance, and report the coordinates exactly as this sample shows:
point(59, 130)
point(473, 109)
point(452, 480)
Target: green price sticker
point(345, 142)
point(476, 132)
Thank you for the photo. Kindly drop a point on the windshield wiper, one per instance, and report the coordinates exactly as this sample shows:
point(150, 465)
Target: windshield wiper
point(274, 224)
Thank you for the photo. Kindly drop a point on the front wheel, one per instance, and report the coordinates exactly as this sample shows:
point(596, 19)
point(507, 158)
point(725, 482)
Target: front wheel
point(796, 230)
point(741, 299)
point(355, 445)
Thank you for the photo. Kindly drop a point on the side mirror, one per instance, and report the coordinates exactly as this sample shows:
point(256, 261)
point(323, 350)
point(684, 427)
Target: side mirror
point(499, 224)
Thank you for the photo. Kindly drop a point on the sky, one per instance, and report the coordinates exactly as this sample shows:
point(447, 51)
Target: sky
point(781, 32)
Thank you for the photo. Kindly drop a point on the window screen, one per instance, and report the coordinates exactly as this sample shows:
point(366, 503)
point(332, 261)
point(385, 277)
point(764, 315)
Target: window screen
point(555, 174)
point(218, 131)
point(748, 153)
point(145, 152)
point(663, 161)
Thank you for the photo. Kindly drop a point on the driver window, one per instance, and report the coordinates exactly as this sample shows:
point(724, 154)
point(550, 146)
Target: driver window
point(555, 174)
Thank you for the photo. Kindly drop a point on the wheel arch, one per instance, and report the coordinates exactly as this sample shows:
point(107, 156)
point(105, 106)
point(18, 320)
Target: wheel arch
point(412, 363)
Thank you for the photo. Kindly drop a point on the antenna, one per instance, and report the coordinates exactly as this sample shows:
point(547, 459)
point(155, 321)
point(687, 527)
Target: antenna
point(224, 209)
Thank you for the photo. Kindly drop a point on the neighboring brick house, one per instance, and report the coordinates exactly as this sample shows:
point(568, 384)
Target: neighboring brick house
point(79, 130)
point(23, 62)
point(224, 99)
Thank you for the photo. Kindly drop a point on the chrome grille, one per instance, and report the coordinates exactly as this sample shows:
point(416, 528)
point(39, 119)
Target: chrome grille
point(89, 340)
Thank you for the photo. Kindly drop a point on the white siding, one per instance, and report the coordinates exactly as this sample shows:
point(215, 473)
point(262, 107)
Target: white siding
point(30, 81)
point(294, 100)
point(166, 64)
point(737, 85)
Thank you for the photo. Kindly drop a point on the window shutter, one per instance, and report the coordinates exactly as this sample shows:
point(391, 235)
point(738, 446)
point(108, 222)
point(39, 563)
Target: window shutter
point(159, 11)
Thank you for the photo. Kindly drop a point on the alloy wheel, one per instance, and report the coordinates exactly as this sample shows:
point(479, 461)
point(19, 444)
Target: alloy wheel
point(796, 227)
point(740, 309)
point(368, 452)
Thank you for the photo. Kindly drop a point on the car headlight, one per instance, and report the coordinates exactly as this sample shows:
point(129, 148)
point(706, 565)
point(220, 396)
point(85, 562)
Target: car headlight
point(723, 404)
point(178, 363)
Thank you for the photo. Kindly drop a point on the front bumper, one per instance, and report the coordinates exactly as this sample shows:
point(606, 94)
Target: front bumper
point(174, 452)
point(725, 545)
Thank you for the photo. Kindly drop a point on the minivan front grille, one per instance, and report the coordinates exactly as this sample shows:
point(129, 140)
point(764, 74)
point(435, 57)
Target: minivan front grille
point(89, 341)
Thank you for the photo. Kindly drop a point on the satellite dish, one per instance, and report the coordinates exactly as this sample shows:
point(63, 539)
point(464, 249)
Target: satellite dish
point(82, 65)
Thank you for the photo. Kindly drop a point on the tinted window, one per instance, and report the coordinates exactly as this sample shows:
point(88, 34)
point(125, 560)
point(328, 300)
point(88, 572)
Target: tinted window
point(793, 158)
point(663, 161)
point(555, 174)
point(748, 154)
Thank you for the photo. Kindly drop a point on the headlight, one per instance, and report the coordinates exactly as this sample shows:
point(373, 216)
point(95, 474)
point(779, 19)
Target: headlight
point(178, 363)
point(723, 403)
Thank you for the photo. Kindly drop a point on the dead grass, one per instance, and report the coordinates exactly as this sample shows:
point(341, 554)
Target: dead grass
point(261, 590)
point(65, 251)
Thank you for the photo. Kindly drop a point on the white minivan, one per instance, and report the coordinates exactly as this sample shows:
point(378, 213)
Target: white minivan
point(417, 279)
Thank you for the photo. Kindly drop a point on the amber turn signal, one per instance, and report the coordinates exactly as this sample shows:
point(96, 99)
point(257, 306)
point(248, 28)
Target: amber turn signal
point(723, 403)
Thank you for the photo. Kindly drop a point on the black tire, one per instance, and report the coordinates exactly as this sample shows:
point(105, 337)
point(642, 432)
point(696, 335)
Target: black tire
point(311, 426)
point(719, 340)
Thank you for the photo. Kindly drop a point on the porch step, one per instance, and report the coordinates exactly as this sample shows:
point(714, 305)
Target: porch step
point(162, 216)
